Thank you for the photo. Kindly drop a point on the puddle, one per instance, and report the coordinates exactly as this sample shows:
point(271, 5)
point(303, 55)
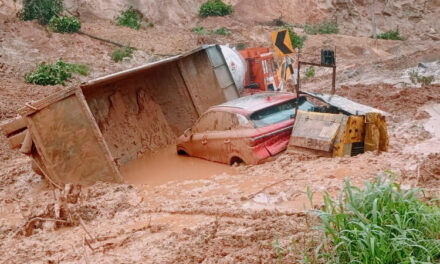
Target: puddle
point(165, 165)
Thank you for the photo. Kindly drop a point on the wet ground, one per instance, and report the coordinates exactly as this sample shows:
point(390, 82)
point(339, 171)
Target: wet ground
point(195, 211)
point(177, 209)
point(164, 166)
point(432, 125)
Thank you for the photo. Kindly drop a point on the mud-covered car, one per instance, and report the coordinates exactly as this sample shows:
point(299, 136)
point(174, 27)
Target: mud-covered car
point(248, 129)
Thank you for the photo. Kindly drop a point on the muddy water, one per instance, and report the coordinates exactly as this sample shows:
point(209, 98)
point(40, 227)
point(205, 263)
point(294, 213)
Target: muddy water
point(432, 125)
point(165, 165)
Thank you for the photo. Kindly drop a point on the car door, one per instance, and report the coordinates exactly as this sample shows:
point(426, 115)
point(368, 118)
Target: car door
point(200, 133)
point(226, 137)
point(219, 137)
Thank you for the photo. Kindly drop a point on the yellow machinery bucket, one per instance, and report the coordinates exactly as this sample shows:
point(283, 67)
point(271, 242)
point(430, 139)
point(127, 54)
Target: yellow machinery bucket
point(338, 134)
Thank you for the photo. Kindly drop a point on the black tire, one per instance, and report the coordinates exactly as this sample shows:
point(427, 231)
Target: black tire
point(182, 152)
point(237, 160)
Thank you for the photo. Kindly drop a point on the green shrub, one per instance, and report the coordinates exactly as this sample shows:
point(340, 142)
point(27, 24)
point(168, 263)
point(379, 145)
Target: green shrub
point(199, 30)
point(221, 31)
point(56, 73)
point(310, 72)
point(240, 46)
point(42, 10)
point(297, 41)
point(150, 25)
point(64, 24)
point(416, 78)
point(391, 34)
point(129, 18)
point(381, 224)
point(120, 54)
point(215, 8)
point(324, 27)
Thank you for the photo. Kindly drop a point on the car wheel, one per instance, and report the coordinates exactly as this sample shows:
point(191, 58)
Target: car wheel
point(182, 152)
point(236, 160)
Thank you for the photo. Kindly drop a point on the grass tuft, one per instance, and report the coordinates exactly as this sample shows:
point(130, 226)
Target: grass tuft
point(381, 224)
point(297, 41)
point(221, 31)
point(199, 30)
point(64, 24)
point(416, 78)
point(120, 54)
point(56, 73)
point(129, 18)
point(240, 46)
point(324, 27)
point(215, 8)
point(310, 72)
point(391, 35)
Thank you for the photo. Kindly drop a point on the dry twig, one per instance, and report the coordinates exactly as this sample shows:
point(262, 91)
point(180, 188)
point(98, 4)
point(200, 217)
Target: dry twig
point(86, 259)
point(432, 174)
point(267, 187)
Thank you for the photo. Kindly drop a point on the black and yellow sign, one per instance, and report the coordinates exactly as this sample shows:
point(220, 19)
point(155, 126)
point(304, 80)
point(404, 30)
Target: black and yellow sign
point(281, 43)
point(285, 71)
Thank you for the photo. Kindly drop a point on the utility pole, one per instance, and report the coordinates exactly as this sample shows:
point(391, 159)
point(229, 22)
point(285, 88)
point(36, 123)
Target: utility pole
point(373, 18)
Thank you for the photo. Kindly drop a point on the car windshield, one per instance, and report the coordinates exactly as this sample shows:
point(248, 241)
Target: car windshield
point(279, 113)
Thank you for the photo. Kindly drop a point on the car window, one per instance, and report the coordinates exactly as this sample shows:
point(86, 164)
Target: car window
point(205, 123)
point(243, 122)
point(225, 121)
point(279, 113)
point(221, 121)
point(230, 121)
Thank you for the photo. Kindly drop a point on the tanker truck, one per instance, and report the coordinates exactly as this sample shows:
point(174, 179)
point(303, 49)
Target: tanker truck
point(254, 69)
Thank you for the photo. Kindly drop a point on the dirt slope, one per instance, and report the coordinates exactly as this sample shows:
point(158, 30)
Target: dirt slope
point(415, 19)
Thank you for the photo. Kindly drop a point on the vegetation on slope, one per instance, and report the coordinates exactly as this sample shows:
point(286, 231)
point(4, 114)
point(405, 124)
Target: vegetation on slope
point(297, 41)
point(42, 10)
point(120, 54)
point(64, 24)
point(56, 73)
point(129, 18)
point(324, 27)
point(215, 8)
point(391, 35)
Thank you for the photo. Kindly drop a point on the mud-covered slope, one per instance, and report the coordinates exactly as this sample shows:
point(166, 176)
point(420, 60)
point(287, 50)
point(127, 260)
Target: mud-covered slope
point(415, 19)
point(160, 12)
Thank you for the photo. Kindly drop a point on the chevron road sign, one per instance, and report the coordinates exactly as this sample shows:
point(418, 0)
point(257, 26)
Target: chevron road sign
point(281, 43)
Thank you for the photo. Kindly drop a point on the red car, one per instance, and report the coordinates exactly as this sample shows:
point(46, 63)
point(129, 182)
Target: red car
point(248, 129)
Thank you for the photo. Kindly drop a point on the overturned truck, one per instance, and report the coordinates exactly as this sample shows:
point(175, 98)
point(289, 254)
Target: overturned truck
point(85, 134)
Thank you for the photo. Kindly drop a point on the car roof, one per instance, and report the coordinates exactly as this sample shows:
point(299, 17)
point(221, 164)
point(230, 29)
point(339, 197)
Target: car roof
point(249, 104)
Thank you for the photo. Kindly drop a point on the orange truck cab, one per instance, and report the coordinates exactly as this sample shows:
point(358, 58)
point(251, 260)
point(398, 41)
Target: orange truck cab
point(261, 71)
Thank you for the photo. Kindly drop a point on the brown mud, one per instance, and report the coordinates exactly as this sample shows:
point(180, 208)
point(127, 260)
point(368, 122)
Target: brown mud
point(165, 166)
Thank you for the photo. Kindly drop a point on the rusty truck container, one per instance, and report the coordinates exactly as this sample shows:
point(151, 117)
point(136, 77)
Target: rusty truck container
point(85, 134)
